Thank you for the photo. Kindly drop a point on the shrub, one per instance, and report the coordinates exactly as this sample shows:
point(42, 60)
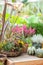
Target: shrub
point(38, 26)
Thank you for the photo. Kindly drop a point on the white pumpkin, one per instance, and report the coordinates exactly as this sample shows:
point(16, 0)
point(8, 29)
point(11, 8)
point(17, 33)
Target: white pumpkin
point(31, 50)
point(39, 53)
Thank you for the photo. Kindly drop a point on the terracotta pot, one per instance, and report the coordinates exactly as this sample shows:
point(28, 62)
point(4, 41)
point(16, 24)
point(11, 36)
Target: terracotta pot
point(2, 59)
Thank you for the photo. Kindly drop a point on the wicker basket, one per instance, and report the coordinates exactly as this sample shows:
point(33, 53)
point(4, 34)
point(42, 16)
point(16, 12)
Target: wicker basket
point(2, 59)
point(24, 49)
point(11, 54)
point(42, 45)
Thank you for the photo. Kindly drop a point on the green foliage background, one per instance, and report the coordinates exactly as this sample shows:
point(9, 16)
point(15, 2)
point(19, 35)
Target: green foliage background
point(16, 19)
point(38, 26)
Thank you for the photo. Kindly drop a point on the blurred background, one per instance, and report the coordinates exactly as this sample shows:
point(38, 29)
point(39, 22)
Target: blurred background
point(30, 6)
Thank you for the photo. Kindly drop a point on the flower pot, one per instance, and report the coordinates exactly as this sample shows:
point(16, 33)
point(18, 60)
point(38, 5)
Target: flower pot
point(2, 59)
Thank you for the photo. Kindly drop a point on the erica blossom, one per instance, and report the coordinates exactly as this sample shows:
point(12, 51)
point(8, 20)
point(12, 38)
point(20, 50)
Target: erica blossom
point(17, 29)
point(24, 29)
point(31, 31)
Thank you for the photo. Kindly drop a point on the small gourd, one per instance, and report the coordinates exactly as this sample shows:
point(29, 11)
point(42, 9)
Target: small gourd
point(39, 53)
point(31, 50)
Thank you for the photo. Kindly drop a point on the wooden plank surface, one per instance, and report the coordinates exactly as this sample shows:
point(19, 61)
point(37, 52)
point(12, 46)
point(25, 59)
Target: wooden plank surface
point(25, 60)
point(36, 62)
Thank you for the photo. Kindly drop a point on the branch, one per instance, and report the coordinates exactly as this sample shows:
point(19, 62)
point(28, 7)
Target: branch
point(3, 20)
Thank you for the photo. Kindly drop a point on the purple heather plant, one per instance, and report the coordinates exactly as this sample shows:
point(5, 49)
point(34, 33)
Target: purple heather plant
point(24, 29)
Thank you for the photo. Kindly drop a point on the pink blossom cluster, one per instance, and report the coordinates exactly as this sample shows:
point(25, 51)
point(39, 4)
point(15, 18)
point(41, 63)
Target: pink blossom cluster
point(24, 29)
point(17, 29)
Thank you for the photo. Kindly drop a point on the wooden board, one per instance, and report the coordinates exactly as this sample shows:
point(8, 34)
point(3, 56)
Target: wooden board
point(25, 60)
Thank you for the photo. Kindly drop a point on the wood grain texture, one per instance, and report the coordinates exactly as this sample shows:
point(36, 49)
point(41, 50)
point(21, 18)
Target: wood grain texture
point(37, 62)
point(25, 60)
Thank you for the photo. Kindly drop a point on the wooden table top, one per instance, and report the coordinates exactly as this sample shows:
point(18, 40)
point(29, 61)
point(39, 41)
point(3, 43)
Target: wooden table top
point(24, 57)
point(25, 60)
